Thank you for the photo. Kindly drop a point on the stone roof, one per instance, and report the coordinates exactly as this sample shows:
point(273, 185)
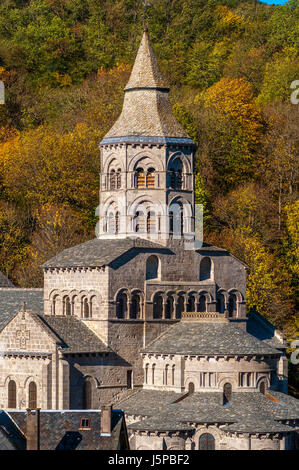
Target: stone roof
point(146, 109)
point(11, 300)
point(147, 402)
point(4, 281)
point(98, 252)
point(250, 412)
point(74, 335)
point(60, 430)
point(146, 73)
point(207, 338)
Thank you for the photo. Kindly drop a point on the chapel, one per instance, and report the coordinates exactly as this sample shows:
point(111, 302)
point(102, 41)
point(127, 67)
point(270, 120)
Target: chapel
point(146, 317)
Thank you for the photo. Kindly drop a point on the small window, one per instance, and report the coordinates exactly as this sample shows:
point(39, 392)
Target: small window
point(129, 379)
point(205, 269)
point(85, 423)
point(227, 394)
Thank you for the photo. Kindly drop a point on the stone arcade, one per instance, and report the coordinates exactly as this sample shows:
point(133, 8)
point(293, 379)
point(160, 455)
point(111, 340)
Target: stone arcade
point(134, 319)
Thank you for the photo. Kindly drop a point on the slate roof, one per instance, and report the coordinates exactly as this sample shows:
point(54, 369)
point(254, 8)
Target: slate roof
point(98, 252)
point(75, 337)
point(146, 73)
point(59, 430)
point(4, 281)
point(146, 110)
point(147, 402)
point(250, 412)
point(11, 300)
point(11, 437)
point(196, 338)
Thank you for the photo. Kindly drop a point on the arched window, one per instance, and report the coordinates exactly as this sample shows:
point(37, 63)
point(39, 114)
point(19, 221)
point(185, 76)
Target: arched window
point(150, 178)
point(166, 374)
point(117, 222)
point(153, 373)
point(176, 174)
point(179, 179)
point(191, 304)
point(206, 442)
point(180, 306)
point(85, 308)
point(176, 219)
point(172, 178)
point(140, 178)
point(169, 307)
point(12, 394)
point(158, 306)
point(232, 305)
point(54, 304)
point(135, 306)
point(151, 222)
point(202, 304)
point(111, 223)
point(139, 222)
point(173, 374)
point(121, 305)
point(227, 393)
point(146, 373)
point(205, 269)
point(152, 267)
point(191, 388)
point(262, 387)
point(87, 394)
point(220, 303)
point(32, 402)
point(112, 179)
point(67, 306)
point(118, 179)
point(129, 379)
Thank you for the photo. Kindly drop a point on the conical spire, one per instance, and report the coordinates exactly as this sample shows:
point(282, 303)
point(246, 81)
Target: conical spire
point(146, 110)
point(146, 73)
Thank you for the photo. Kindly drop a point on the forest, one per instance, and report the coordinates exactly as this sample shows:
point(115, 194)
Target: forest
point(230, 65)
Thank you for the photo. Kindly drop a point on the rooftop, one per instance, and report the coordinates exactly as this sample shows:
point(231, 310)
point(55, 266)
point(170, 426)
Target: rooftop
point(61, 430)
point(99, 252)
point(11, 300)
point(250, 412)
point(208, 338)
point(74, 335)
point(146, 110)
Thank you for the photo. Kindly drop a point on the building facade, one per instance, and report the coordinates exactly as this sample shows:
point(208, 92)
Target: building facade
point(142, 310)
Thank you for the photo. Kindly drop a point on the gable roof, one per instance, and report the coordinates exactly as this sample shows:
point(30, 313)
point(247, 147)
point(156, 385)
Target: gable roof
point(73, 334)
point(210, 338)
point(98, 252)
point(4, 281)
point(60, 429)
point(11, 300)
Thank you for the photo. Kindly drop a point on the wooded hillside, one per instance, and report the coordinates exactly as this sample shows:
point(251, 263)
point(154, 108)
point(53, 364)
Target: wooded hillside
point(230, 64)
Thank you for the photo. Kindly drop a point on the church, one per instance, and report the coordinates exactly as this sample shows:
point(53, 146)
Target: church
point(142, 317)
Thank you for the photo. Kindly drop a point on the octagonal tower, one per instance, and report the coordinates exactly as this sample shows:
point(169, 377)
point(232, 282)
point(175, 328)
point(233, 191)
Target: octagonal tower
point(147, 159)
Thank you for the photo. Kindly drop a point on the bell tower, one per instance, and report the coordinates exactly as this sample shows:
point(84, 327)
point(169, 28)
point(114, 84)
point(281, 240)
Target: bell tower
point(147, 180)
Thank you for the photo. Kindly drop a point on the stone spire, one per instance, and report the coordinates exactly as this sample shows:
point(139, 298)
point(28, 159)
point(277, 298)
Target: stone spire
point(146, 73)
point(146, 109)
